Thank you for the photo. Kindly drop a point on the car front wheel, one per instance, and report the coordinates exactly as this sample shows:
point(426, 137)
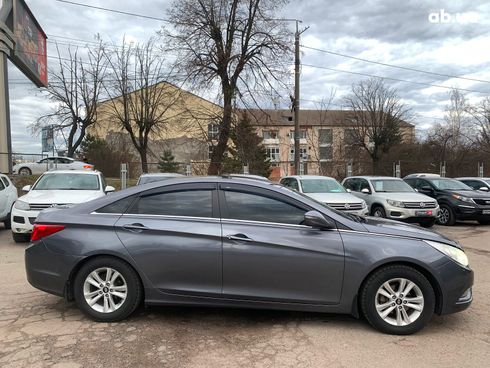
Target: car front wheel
point(107, 289)
point(398, 300)
point(446, 216)
point(379, 211)
point(25, 171)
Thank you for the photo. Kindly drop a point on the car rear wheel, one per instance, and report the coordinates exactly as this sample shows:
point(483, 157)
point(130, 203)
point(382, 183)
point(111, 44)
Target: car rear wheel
point(25, 171)
point(379, 211)
point(107, 289)
point(446, 216)
point(428, 223)
point(398, 300)
point(21, 238)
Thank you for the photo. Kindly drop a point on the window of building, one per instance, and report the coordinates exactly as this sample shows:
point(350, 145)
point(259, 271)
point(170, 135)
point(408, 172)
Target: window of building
point(210, 151)
point(303, 154)
point(272, 153)
point(271, 134)
point(350, 137)
point(302, 134)
point(191, 203)
point(325, 141)
point(213, 131)
point(254, 207)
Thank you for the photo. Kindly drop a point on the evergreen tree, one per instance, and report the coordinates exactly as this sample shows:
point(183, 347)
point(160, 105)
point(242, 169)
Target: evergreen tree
point(167, 163)
point(246, 149)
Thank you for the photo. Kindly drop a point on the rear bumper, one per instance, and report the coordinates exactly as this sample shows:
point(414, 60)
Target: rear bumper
point(48, 271)
point(456, 284)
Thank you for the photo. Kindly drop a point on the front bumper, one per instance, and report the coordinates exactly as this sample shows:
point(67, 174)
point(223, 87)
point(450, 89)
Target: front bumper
point(23, 221)
point(469, 212)
point(411, 214)
point(456, 286)
point(48, 271)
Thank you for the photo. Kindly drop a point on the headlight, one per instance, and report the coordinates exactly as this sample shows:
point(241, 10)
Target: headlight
point(463, 199)
point(395, 203)
point(21, 205)
point(452, 252)
point(364, 205)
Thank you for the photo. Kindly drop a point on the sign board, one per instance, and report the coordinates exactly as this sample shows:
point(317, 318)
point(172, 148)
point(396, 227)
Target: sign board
point(30, 54)
point(47, 139)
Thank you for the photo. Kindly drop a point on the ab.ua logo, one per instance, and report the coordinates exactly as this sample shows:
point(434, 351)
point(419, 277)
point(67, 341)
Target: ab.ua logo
point(444, 17)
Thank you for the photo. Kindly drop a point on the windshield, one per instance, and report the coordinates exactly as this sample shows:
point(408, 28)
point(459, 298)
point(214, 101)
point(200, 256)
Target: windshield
point(68, 182)
point(321, 186)
point(391, 186)
point(449, 184)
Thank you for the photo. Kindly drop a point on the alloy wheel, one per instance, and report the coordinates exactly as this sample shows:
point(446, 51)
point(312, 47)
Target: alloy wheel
point(399, 302)
point(105, 290)
point(443, 215)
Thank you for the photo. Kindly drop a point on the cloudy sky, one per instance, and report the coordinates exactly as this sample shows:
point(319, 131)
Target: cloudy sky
point(446, 37)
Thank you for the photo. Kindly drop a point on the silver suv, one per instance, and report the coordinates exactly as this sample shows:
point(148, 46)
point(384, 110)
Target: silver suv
point(328, 191)
point(394, 199)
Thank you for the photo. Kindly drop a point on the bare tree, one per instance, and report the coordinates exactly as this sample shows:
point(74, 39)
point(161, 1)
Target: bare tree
point(142, 102)
point(237, 44)
point(481, 118)
point(377, 113)
point(75, 88)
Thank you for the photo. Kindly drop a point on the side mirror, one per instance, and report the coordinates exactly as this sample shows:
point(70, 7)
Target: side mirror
point(483, 189)
point(349, 191)
point(426, 189)
point(26, 189)
point(316, 220)
point(109, 189)
point(365, 191)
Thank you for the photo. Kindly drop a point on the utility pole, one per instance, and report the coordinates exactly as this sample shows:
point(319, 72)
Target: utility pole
point(297, 67)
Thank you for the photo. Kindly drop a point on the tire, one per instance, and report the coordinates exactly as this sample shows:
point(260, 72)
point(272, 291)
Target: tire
point(484, 222)
point(25, 171)
point(446, 216)
point(8, 222)
point(378, 211)
point(21, 238)
point(109, 306)
point(428, 223)
point(397, 322)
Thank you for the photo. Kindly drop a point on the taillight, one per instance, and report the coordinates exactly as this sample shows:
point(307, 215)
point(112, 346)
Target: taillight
point(41, 231)
point(88, 167)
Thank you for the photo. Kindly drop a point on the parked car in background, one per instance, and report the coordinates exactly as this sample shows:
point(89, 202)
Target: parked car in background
point(392, 198)
point(230, 242)
point(8, 195)
point(49, 164)
point(457, 201)
point(153, 177)
point(481, 184)
point(328, 191)
point(54, 189)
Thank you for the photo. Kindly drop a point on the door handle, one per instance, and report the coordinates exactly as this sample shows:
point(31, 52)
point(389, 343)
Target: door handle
point(137, 228)
point(239, 237)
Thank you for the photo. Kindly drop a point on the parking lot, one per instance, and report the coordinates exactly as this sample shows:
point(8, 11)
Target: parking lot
point(40, 330)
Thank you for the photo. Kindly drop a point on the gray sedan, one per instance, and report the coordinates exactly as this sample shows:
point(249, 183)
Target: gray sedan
point(233, 242)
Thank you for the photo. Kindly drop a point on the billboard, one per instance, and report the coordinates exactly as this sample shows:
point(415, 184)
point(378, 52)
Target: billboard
point(30, 54)
point(47, 137)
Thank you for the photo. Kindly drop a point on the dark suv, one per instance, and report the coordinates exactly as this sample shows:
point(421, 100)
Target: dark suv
point(457, 201)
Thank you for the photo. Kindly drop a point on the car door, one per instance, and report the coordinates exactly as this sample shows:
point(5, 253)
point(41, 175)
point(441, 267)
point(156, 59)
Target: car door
point(3, 198)
point(269, 256)
point(10, 193)
point(174, 235)
point(425, 187)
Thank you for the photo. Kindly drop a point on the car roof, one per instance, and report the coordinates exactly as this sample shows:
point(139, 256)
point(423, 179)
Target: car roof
point(371, 177)
point(161, 174)
point(85, 172)
point(308, 177)
point(69, 158)
point(471, 178)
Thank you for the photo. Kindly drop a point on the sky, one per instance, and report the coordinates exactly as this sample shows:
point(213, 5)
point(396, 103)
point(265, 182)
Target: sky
point(446, 37)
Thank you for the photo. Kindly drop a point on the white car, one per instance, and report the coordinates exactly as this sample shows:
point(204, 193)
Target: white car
point(54, 189)
point(50, 164)
point(8, 195)
point(327, 190)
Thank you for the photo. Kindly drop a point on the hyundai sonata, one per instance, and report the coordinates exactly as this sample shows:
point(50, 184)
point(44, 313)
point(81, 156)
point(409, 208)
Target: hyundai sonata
point(236, 242)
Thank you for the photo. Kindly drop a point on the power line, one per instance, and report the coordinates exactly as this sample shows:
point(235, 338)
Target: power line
point(114, 11)
point(393, 79)
point(395, 66)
